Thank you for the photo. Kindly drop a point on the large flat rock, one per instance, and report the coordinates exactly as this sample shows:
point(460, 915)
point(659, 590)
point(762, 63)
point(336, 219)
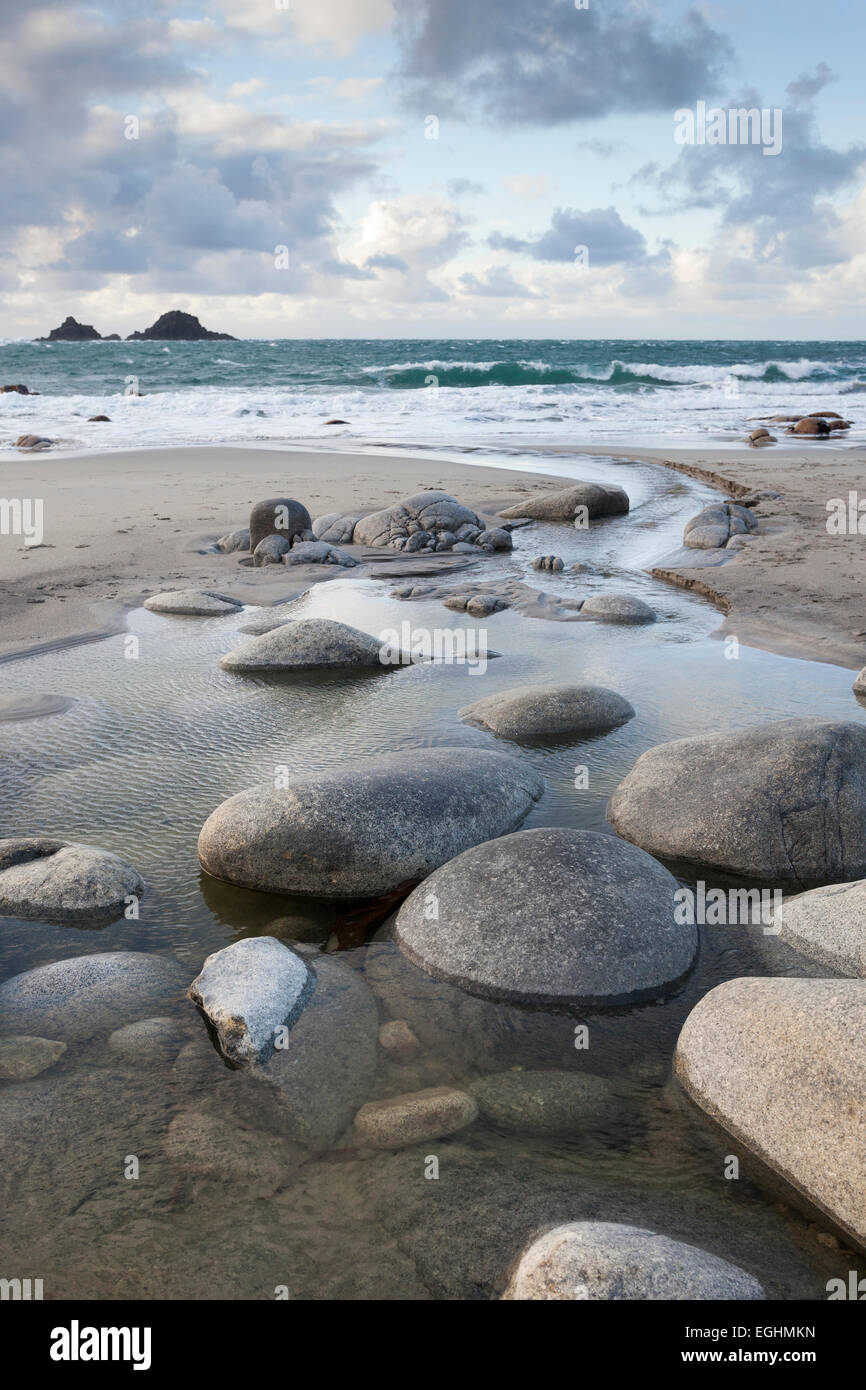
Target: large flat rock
point(75, 999)
point(781, 1065)
point(311, 644)
point(781, 802)
point(192, 603)
point(369, 827)
point(547, 711)
point(549, 917)
point(829, 926)
point(55, 881)
point(599, 499)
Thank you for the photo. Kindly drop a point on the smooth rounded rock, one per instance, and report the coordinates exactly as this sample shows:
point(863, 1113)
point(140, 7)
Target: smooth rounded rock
point(781, 1065)
point(150, 1042)
point(829, 926)
point(280, 516)
point(53, 880)
point(550, 917)
point(617, 608)
point(192, 603)
point(397, 1039)
point(311, 644)
point(366, 828)
point(859, 686)
point(77, 998)
point(234, 540)
point(247, 991)
point(561, 505)
point(415, 1118)
point(781, 802)
point(544, 1102)
point(543, 711)
point(588, 1261)
point(271, 550)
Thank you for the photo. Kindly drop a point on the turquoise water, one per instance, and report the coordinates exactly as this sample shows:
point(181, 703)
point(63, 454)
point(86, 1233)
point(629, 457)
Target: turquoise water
point(418, 391)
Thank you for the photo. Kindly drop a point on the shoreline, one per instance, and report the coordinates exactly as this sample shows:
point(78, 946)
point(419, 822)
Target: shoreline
point(793, 591)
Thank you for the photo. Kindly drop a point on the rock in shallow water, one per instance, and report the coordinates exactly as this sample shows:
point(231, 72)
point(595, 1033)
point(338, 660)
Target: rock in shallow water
point(75, 999)
point(55, 881)
point(311, 644)
point(23, 1057)
point(415, 1118)
point(544, 1102)
point(247, 991)
point(781, 802)
point(193, 603)
point(561, 505)
point(150, 1042)
point(366, 829)
point(431, 512)
point(550, 917)
point(617, 608)
point(781, 1065)
point(601, 1260)
point(541, 711)
point(829, 926)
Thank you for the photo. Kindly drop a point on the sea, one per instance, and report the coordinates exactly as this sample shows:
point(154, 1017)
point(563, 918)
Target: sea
point(460, 393)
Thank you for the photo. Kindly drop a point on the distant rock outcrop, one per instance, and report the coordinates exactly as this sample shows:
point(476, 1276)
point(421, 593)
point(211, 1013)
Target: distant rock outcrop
point(178, 327)
point(71, 331)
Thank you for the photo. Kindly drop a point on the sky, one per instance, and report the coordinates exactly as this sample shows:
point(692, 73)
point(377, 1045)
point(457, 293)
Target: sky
point(433, 168)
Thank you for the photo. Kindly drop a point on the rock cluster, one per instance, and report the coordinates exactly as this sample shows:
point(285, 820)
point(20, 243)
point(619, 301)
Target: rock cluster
point(717, 524)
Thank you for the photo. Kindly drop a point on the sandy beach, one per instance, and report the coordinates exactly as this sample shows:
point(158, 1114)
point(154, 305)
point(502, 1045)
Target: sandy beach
point(119, 526)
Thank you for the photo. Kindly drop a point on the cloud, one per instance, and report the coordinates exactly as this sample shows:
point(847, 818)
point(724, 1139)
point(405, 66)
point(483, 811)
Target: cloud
point(526, 185)
point(464, 188)
point(546, 63)
point(386, 260)
point(609, 240)
point(497, 283)
point(245, 89)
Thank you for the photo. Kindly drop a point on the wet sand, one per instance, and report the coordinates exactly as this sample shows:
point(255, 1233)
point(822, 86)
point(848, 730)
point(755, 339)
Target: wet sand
point(120, 526)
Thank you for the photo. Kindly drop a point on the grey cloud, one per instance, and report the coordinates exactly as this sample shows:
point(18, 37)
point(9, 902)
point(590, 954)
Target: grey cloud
point(345, 270)
point(609, 240)
point(498, 283)
point(547, 63)
point(460, 188)
point(385, 260)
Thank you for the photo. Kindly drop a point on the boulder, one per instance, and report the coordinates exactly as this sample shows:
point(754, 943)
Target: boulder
point(485, 605)
point(783, 802)
point(265, 622)
point(72, 1000)
point(247, 991)
point(549, 916)
point(433, 512)
point(327, 1068)
point(781, 1065)
point(811, 426)
point(760, 438)
point(193, 603)
point(19, 390)
point(544, 1102)
point(56, 881)
point(336, 527)
point(598, 1261)
point(36, 443)
point(271, 550)
point(235, 540)
point(212, 1148)
point(317, 553)
point(617, 608)
point(367, 827)
point(829, 926)
point(415, 1118)
point(859, 686)
point(544, 711)
point(22, 1058)
point(398, 1041)
point(311, 644)
point(280, 516)
point(493, 538)
point(551, 563)
point(716, 524)
point(599, 500)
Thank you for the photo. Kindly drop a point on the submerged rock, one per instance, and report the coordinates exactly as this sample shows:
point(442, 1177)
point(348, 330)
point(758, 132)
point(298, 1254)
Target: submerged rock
point(781, 1065)
point(543, 711)
point(310, 644)
point(367, 828)
point(247, 991)
point(14, 708)
point(22, 1058)
point(829, 926)
point(53, 880)
point(415, 1118)
point(150, 1042)
point(549, 917)
point(278, 516)
point(782, 802)
point(617, 608)
point(562, 505)
point(195, 603)
point(397, 1039)
point(211, 1147)
point(544, 1102)
point(327, 1067)
point(601, 1261)
point(77, 998)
